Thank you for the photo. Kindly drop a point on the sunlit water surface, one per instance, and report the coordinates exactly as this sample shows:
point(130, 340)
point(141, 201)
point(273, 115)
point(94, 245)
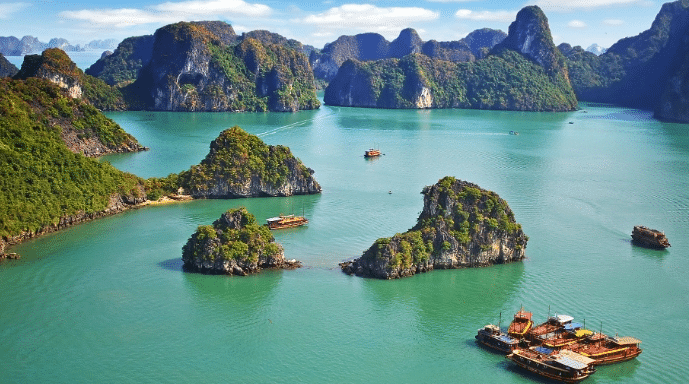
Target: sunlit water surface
point(107, 301)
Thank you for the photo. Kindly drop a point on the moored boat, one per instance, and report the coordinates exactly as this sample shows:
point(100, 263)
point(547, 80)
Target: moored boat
point(286, 221)
point(607, 350)
point(491, 336)
point(539, 333)
point(570, 334)
point(521, 324)
point(372, 153)
point(565, 366)
point(650, 238)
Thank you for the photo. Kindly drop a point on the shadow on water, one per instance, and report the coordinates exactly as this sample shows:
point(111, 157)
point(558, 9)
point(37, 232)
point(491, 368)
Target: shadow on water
point(649, 253)
point(174, 265)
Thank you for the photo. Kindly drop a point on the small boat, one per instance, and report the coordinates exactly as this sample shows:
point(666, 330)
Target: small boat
point(565, 366)
point(650, 238)
point(538, 334)
point(607, 350)
point(372, 153)
point(491, 336)
point(514, 133)
point(520, 324)
point(286, 221)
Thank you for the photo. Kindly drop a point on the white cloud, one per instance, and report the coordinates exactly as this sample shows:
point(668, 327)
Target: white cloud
point(368, 17)
point(576, 24)
point(570, 5)
point(7, 9)
point(169, 12)
point(214, 7)
point(613, 22)
point(500, 15)
point(451, 1)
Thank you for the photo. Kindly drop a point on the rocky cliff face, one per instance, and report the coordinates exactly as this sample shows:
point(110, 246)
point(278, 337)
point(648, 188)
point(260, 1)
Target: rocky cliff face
point(641, 71)
point(234, 245)
point(372, 46)
point(461, 226)
point(54, 65)
point(7, 69)
point(196, 67)
point(530, 35)
point(241, 165)
point(525, 72)
point(123, 65)
point(673, 103)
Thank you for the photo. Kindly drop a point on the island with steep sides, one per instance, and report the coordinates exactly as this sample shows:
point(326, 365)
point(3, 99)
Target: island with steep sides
point(234, 245)
point(461, 226)
point(525, 72)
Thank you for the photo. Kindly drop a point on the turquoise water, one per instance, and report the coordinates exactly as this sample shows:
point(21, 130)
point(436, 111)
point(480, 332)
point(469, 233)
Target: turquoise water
point(107, 301)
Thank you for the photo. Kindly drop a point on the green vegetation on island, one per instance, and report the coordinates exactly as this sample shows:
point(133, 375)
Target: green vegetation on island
point(240, 165)
point(235, 244)
point(461, 225)
point(267, 76)
point(54, 64)
point(525, 72)
point(41, 180)
point(122, 67)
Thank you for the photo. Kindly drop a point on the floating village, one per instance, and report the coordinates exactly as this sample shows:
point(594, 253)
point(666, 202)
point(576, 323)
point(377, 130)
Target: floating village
point(558, 349)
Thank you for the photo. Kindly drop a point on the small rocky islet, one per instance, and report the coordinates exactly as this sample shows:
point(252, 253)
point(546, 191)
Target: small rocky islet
point(235, 244)
point(461, 226)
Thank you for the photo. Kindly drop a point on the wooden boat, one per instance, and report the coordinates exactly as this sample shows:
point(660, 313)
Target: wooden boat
point(565, 366)
point(520, 324)
point(650, 238)
point(539, 333)
point(492, 337)
point(607, 350)
point(372, 153)
point(286, 221)
point(571, 333)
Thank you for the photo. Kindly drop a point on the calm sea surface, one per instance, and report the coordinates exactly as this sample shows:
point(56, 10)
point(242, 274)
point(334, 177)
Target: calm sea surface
point(107, 301)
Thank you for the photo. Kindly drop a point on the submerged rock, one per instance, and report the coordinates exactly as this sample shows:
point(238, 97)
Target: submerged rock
point(234, 245)
point(461, 226)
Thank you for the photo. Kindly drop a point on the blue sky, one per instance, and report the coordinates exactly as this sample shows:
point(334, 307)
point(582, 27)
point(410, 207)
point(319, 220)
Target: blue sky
point(578, 22)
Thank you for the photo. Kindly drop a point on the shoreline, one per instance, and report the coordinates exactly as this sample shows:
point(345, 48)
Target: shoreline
point(69, 221)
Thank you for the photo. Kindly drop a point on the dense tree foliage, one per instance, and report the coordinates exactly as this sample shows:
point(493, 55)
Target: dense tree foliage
point(227, 239)
point(42, 181)
point(236, 158)
point(54, 63)
point(505, 80)
point(461, 209)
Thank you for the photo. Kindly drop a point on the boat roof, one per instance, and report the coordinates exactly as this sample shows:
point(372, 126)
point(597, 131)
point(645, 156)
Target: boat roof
point(506, 339)
point(492, 327)
point(562, 318)
point(627, 340)
point(543, 350)
point(582, 332)
point(573, 359)
point(572, 326)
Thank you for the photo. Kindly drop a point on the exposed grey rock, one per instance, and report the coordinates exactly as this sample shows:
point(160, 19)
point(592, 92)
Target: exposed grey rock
point(461, 226)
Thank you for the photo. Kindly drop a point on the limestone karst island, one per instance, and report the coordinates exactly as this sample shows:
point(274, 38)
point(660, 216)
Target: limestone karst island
point(460, 226)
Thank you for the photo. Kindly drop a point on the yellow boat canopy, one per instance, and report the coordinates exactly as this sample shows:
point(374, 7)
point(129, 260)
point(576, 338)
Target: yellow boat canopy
point(582, 332)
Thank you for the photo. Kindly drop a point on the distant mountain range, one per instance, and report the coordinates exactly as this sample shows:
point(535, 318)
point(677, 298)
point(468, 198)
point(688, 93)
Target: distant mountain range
point(12, 46)
point(207, 66)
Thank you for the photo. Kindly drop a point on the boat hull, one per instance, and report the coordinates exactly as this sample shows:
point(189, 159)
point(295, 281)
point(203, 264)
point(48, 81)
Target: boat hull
point(544, 371)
